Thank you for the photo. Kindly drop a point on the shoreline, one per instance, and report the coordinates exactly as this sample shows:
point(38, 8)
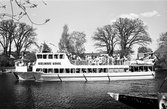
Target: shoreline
point(160, 69)
point(7, 69)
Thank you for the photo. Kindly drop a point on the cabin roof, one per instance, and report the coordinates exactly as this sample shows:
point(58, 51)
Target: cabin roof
point(50, 53)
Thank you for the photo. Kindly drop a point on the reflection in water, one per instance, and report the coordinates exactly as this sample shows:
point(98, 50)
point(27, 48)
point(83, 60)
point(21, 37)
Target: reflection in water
point(74, 95)
point(25, 94)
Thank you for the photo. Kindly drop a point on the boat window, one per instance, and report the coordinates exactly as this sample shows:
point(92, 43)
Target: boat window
point(77, 70)
point(38, 69)
point(72, 70)
point(61, 56)
point(56, 70)
point(105, 70)
point(50, 70)
point(141, 68)
point(94, 70)
point(39, 56)
point(100, 70)
point(61, 70)
point(115, 69)
point(89, 70)
point(50, 56)
point(44, 56)
point(110, 70)
point(45, 70)
point(55, 56)
point(83, 70)
point(67, 70)
point(120, 70)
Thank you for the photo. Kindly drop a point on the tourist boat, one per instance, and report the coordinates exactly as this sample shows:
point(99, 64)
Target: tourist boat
point(58, 67)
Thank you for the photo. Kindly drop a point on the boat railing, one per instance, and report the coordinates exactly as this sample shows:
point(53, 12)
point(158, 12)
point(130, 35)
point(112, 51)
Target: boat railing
point(88, 62)
point(79, 62)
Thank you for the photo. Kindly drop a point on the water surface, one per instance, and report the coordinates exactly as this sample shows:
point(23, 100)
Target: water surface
point(16, 94)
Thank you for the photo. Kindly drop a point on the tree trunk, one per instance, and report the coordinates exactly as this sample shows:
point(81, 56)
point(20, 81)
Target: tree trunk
point(5, 51)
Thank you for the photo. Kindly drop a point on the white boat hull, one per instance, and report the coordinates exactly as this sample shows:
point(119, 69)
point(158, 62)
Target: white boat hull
point(84, 76)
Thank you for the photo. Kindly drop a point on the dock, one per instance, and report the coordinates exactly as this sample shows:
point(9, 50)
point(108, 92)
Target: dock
point(137, 100)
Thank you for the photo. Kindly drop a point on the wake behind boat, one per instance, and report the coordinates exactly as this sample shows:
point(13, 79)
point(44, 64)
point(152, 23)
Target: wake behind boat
point(59, 67)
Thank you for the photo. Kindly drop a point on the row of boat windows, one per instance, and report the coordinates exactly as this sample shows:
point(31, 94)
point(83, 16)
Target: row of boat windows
point(73, 70)
point(50, 56)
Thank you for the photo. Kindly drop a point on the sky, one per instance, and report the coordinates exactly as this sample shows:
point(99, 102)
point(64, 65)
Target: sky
point(87, 15)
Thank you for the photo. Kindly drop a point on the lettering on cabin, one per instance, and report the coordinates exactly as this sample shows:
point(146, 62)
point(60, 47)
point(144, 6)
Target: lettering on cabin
point(49, 63)
point(56, 63)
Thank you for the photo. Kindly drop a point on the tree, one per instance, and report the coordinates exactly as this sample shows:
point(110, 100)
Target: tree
point(24, 37)
point(72, 43)
point(162, 42)
point(144, 49)
point(6, 61)
point(21, 34)
point(31, 56)
point(131, 32)
point(46, 48)
point(64, 44)
point(105, 37)
point(77, 40)
point(161, 52)
point(22, 6)
point(7, 28)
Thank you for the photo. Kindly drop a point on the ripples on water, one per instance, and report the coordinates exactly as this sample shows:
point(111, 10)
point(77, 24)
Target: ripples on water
point(69, 95)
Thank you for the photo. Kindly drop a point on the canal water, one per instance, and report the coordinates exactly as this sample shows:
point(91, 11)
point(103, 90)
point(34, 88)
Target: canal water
point(16, 94)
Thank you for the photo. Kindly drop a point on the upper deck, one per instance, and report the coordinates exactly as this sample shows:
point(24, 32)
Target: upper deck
point(60, 59)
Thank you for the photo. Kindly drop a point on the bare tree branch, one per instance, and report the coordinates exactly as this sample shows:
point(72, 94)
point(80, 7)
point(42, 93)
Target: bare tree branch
point(131, 32)
point(105, 37)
